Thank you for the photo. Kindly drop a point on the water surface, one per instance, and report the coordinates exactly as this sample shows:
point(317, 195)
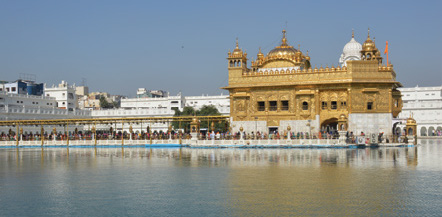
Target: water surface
point(221, 182)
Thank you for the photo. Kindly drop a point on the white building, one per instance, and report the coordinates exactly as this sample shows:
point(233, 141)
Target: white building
point(170, 103)
point(64, 94)
point(159, 107)
point(425, 105)
point(31, 107)
point(351, 51)
point(221, 102)
point(141, 112)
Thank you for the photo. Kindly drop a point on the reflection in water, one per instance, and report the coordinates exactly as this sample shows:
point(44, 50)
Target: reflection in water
point(129, 181)
point(232, 157)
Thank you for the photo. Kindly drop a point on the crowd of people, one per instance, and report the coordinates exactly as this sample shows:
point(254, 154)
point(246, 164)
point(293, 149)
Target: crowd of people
point(213, 135)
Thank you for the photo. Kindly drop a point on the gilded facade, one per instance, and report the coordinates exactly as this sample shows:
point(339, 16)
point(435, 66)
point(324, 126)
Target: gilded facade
point(281, 89)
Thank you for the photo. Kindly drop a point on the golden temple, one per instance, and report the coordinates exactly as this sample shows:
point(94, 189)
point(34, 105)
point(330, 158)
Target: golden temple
point(281, 90)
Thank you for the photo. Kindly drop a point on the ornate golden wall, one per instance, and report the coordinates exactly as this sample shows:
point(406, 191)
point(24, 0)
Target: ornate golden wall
point(329, 92)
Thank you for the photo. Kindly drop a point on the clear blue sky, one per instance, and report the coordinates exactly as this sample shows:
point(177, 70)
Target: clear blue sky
point(119, 46)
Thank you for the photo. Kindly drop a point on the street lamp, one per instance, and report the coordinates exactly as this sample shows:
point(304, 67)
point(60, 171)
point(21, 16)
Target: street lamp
point(256, 125)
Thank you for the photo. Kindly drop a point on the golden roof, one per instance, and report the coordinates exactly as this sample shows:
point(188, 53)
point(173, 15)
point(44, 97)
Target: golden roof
point(368, 44)
point(284, 49)
point(237, 49)
point(411, 121)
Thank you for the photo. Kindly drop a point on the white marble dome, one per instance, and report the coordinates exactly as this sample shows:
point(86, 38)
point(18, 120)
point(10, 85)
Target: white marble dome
point(351, 51)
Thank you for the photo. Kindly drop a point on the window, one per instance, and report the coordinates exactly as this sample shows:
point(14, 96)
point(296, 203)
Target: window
point(261, 106)
point(63, 103)
point(18, 101)
point(304, 105)
point(33, 102)
point(13, 89)
point(324, 105)
point(273, 105)
point(334, 105)
point(285, 105)
point(343, 104)
point(396, 103)
point(174, 101)
point(369, 105)
point(64, 94)
point(1, 89)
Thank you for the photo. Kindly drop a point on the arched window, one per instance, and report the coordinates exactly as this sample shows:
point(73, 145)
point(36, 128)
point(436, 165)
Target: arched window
point(239, 63)
point(304, 105)
point(231, 63)
point(410, 131)
point(423, 131)
point(431, 131)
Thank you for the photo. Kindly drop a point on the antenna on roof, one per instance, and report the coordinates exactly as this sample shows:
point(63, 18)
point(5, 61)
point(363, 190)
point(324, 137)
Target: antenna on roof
point(28, 77)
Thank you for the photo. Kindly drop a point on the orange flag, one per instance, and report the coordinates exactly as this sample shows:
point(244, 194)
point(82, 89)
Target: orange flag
point(386, 48)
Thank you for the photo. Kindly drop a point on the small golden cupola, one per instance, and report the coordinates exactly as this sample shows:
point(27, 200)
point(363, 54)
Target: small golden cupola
point(369, 50)
point(237, 58)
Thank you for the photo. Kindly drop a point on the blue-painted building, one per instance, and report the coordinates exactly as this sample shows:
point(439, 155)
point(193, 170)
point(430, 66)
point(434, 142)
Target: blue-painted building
point(24, 87)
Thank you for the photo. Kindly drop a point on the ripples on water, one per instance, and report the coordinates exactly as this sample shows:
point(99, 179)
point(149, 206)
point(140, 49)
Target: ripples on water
point(221, 182)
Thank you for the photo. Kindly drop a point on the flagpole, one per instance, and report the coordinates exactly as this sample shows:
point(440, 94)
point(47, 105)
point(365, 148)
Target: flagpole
point(386, 51)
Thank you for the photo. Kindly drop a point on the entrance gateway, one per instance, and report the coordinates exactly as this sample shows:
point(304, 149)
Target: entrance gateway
point(273, 130)
point(329, 125)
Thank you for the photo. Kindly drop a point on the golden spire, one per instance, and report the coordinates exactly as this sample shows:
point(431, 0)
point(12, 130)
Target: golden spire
point(237, 50)
point(284, 40)
point(368, 36)
point(260, 54)
point(352, 33)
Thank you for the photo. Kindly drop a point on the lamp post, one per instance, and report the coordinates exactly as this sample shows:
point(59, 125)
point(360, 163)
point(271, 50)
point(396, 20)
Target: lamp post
point(256, 125)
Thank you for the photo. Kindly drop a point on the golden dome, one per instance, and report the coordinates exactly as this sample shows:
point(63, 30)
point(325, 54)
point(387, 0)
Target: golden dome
point(411, 121)
point(342, 117)
point(237, 49)
point(368, 44)
point(282, 50)
point(260, 54)
point(307, 57)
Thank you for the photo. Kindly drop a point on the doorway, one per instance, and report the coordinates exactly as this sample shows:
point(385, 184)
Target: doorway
point(329, 125)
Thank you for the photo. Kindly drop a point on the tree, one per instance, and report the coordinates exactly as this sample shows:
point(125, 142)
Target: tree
point(207, 110)
point(187, 111)
point(104, 103)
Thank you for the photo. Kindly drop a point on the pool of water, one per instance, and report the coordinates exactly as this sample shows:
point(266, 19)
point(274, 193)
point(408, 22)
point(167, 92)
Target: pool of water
point(221, 182)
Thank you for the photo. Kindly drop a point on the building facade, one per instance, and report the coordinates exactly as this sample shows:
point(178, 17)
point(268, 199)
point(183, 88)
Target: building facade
point(32, 107)
point(425, 105)
point(64, 94)
point(24, 87)
point(281, 89)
